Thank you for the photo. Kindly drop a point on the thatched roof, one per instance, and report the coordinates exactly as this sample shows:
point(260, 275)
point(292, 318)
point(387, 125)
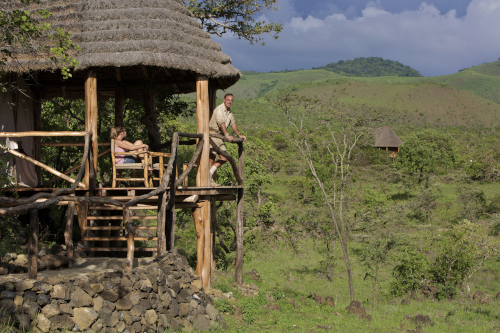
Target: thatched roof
point(386, 137)
point(158, 34)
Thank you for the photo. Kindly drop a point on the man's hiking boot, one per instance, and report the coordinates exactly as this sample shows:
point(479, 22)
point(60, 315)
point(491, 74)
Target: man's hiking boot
point(213, 183)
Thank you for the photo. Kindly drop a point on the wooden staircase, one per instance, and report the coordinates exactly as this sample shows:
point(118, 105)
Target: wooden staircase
point(104, 229)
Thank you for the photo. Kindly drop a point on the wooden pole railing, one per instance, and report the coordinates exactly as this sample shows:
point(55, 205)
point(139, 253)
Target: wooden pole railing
point(21, 206)
point(39, 133)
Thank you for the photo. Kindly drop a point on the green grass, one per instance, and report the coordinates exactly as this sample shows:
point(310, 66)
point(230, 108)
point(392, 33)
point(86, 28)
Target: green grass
point(297, 275)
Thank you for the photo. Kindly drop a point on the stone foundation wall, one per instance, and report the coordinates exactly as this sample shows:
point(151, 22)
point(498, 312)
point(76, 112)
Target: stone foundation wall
point(150, 298)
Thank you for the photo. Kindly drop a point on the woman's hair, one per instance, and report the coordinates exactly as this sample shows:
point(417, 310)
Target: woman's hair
point(115, 131)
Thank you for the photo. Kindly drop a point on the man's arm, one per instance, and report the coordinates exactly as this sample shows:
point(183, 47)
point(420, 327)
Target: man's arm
point(235, 129)
point(223, 128)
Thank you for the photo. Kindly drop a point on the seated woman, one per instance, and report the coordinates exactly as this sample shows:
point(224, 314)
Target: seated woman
point(119, 133)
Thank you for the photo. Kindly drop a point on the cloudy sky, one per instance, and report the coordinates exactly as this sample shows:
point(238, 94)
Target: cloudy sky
point(435, 37)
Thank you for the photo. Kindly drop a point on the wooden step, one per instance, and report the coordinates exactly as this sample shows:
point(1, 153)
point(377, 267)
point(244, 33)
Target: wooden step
point(121, 228)
point(109, 249)
point(121, 208)
point(105, 239)
point(117, 217)
point(128, 198)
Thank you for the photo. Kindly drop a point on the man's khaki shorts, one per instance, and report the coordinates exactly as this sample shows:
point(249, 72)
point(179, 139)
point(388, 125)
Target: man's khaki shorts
point(219, 143)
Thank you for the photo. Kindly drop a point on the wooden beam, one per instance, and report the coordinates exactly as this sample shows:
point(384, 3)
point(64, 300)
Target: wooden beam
point(33, 245)
point(72, 144)
point(37, 119)
point(91, 121)
point(198, 225)
point(206, 273)
point(119, 105)
point(118, 74)
point(68, 232)
point(239, 220)
point(39, 133)
point(40, 164)
point(212, 94)
point(202, 118)
point(130, 239)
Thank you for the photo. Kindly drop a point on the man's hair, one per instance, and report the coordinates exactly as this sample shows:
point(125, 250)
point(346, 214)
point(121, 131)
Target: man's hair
point(228, 95)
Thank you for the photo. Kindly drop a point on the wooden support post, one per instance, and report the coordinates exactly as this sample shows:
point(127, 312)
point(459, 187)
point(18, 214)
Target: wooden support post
point(212, 96)
point(198, 224)
point(185, 182)
point(37, 120)
point(68, 232)
point(239, 219)
point(91, 121)
point(130, 239)
point(206, 272)
point(170, 223)
point(160, 224)
point(213, 219)
point(119, 105)
point(202, 118)
point(33, 244)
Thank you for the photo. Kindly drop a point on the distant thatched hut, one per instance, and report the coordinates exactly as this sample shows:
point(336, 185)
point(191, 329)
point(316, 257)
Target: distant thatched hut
point(386, 138)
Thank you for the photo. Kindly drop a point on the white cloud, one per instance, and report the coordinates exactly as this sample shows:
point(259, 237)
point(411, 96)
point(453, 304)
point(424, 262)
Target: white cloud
point(432, 42)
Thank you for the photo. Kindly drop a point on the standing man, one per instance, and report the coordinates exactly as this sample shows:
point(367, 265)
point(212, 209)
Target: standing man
point(221, 119)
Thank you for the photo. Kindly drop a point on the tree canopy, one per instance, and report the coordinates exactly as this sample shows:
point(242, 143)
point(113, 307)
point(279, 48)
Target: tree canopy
point(372, 66)
point(237, 16)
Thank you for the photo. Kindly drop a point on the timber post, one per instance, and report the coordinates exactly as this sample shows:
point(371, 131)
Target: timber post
point(130, 239)
point(37, 119)
point(91, 122)
point(68, 232)
point(33, 244)
point(239, 219)
point(203, 180)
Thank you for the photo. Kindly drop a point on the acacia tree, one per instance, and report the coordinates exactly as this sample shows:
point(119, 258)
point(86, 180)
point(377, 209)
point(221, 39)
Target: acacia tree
point(342, 131)
point(237, 16)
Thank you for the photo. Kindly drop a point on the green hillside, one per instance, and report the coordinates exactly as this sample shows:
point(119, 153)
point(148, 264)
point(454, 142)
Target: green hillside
point(451, 100)
point(372, 66)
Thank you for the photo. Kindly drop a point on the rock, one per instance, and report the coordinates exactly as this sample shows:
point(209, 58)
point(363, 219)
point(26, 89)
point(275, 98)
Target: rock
point(151, 317)
point(41, 264)
point(23, 321)
point(80, 299)
point(84, 317)
point(24, 285)
point(97, 287)
point(21, 260)
point(201, 323)
point(44, 287)
point(137, 310)
point(294, 303)
point(18, 300)
point(211, 311)
point(98, 325)
point(137, 326)
point(62, 322)
point(109, 295)
point(31, 310)
point(43, 299)
point(421, 320)
point(228, 295)
point(183, 309)
point(166, 298)
point(135, 297)
point(478, 295)
point(4, 270)
point(42, 252)
point(497, 296)
point(196, 285)
point(173, 309)
point(430, 290)
point(253, 274)
point(127, 319)
point(163, 321)
point(66, 308)
point(405, 301)
point(108, 305)
point(123, 303)
point(98, 302)
point(55, 249)
point(60, 291)
point(50, 310)
point(357, 309)
point(7, 294)
point(113, 319)
point(43, 323)
point(10, 256)
point(29, 296)
point(120, 327)
point(55, 261)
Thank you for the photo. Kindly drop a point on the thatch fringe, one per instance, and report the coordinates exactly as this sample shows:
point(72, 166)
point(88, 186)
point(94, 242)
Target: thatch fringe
point(118, 33)
point(386, 137)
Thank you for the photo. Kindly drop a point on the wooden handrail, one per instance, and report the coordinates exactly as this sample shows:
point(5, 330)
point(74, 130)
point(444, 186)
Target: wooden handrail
point(39, 133)
point(236, 171)
point(71, 144)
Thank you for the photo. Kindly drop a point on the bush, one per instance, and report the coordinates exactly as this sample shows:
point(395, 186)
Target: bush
point(410, 274)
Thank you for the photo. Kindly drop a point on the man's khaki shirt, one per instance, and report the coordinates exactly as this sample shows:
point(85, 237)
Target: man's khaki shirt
point(221, 116)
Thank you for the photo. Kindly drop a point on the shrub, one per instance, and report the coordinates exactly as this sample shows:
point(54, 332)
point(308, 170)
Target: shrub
point(410, 274)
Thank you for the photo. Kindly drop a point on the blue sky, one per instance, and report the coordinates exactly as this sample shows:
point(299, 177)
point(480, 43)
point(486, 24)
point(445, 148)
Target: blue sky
point(435, 37)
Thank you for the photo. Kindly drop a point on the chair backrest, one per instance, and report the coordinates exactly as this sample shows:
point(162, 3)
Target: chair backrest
point(113, 160)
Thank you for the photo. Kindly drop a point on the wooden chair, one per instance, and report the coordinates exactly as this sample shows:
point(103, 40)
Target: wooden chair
point(160, 166)
point(128, 166)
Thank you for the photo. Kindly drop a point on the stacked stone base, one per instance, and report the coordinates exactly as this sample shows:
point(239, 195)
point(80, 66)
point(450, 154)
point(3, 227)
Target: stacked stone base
point(163, 294)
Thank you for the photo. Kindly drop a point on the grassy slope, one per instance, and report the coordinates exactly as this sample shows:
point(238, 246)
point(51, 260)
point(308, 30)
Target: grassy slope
point(451, 100)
